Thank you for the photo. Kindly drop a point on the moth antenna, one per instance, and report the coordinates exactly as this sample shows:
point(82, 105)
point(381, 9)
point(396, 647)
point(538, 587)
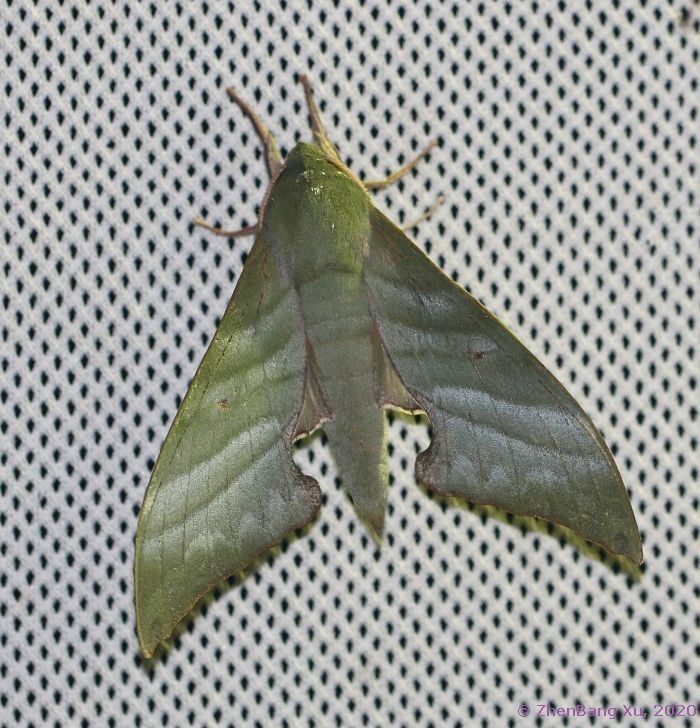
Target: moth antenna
point(319, 131)
point(272, 155)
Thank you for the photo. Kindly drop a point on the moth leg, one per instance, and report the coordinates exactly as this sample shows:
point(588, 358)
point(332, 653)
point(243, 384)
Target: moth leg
point(247, 230)
point(426, 215)
point(272, 155)
point(320, 136)
point(377, 184)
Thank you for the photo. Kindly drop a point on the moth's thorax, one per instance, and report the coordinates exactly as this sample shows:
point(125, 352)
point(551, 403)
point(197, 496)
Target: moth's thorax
point(317, 214)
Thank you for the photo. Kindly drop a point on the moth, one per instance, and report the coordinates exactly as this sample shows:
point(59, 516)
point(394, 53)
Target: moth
point(337, 315)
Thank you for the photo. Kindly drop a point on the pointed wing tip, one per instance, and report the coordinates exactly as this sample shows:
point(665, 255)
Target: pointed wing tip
point(637, 554)
point(634, 555)
point(623, 540)
point(149, 639)
point(147, 652)
point(633, 549)
point(148, 644)
point(628, 545)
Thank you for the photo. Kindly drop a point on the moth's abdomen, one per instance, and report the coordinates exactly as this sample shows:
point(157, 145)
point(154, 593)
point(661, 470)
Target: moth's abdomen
point(339, 331)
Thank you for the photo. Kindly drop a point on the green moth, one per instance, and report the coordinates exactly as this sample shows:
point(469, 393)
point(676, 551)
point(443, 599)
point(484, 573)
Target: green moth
point(336, 315)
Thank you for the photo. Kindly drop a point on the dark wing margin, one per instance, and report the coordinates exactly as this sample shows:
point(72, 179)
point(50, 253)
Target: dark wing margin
point(505, 431)
point(225, 487)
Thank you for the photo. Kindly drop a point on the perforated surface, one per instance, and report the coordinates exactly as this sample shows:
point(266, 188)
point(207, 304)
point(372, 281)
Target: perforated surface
point(569, 160)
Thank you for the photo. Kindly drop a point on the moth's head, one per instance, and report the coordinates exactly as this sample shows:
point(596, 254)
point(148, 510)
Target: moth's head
point(307, 154)
point(314, 158)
